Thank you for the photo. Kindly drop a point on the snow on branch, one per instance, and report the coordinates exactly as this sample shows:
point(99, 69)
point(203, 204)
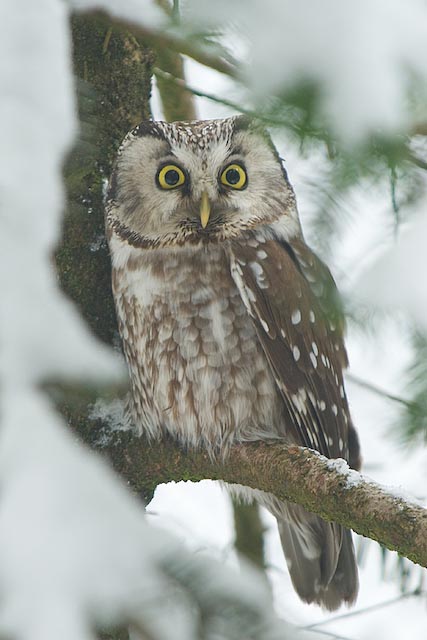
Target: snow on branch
point(326, 487)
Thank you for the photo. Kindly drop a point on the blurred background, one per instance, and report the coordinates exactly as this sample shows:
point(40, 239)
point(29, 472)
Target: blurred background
point(342, 87)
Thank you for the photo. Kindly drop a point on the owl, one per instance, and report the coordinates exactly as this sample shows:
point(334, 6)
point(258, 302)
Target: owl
point(226, 317)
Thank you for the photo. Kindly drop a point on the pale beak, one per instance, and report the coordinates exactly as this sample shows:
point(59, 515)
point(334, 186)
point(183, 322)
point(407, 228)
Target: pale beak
point(205, 209)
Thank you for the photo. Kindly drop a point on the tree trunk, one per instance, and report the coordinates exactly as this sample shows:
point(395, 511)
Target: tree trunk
point(113, 77)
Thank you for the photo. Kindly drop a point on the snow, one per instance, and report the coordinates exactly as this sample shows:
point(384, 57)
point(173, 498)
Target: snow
point(71, 538)
point(353, 478)
point(358, 53)
point(42, 334)
point(144, 12)
point(396, 280)
point(75, 549)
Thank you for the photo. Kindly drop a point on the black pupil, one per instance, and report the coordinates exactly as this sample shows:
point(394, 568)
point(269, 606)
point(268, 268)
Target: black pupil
point(171, 177)
point(232, 176)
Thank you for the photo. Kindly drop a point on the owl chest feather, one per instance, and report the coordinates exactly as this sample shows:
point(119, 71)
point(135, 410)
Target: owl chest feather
point(197, 369)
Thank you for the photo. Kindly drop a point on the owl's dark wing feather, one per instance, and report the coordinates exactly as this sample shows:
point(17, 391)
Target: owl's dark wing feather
point(289, 294)
point(287, 291)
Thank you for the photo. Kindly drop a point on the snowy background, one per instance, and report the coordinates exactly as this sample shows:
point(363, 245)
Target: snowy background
point(75, 550)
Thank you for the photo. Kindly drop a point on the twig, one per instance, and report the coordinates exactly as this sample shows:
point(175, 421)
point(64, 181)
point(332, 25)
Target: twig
point(419, 162)
point(331, 634)
point(269, 120)
point(165, 39)
point(394, 203)
point(373, 607)
point(202, 94)
point(369, 386)
point(107, 40)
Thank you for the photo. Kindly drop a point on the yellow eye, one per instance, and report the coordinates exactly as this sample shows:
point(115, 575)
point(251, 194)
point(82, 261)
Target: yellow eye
point(234, 176)
point(170, 177)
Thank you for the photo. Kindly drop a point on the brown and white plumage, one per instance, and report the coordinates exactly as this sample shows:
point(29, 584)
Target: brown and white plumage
point(226, 316)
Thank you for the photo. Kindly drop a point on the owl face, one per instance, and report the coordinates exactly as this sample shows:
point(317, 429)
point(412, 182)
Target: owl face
point(197, 182)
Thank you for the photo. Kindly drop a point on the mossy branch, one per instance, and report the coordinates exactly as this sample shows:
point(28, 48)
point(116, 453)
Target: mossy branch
point(329, 489)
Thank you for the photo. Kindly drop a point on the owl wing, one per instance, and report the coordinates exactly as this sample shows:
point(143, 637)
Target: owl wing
point(289, 293)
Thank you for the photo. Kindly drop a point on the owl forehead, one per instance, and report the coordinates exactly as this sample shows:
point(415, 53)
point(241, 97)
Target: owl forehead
point(203, 146)
point(200, 146)
point(200, 135)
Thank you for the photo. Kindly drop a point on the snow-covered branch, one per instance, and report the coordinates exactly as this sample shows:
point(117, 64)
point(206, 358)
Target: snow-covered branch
point(325, 487)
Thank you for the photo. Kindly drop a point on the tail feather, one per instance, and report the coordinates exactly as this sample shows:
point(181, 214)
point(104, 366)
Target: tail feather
point(320, 557)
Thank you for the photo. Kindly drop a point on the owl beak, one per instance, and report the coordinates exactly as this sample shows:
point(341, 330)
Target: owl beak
point(205, 209)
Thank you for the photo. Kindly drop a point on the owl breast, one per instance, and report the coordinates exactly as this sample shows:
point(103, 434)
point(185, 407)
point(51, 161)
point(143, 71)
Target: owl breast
point(197, 369)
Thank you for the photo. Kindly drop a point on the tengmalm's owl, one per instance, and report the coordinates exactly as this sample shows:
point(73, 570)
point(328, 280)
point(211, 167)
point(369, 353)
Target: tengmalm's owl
point(223, 313)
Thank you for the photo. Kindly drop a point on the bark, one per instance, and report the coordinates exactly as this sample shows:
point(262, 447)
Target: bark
point(290, 473)
point(113, 78)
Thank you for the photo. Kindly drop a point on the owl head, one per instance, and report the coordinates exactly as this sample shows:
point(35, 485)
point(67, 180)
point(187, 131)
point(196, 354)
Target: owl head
point(198, 182)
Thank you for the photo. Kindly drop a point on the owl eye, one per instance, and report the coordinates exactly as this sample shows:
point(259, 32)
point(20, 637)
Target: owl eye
point(234, 176)
point(170, 177)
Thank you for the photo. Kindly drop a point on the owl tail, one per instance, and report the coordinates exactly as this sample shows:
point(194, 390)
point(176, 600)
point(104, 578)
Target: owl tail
point(320, 557)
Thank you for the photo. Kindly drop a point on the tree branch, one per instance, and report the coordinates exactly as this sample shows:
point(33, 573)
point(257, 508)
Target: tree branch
point(177, 103)
point(161, 39)
point(325, 487)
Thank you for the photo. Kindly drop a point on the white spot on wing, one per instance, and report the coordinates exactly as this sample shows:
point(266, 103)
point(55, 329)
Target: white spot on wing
point(300, 401)
point(312, 316)
point(296, 316)
point(245, 293)
point(296, 353)
point(313, 359)
point(264, 325)
point(250, 294)
point(259, 274)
